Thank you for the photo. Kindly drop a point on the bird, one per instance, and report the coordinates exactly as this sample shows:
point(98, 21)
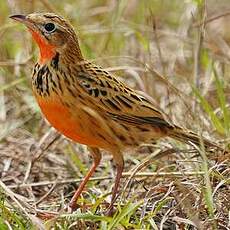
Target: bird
point(88, 104)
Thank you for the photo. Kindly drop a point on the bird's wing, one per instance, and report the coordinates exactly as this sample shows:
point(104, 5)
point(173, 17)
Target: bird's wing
point(117, 99)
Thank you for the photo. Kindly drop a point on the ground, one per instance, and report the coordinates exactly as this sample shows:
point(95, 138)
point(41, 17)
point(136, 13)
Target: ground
point(178, 53)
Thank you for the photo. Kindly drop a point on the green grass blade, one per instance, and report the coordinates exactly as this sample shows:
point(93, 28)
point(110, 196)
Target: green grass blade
point(222, 102)
point(86, 216)
point(209, 110)
point(128, 209)
point(207, 188)
point(12, 84)
point(75, 159)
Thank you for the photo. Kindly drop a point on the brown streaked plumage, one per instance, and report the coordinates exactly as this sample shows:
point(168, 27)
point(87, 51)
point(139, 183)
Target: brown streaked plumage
point(88, 104)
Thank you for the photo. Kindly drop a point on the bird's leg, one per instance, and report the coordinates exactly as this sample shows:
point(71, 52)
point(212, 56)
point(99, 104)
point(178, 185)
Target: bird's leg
point(119, 161)
point(96, 154)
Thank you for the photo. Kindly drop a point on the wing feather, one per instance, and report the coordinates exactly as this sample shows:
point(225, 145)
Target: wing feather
point(119, 101)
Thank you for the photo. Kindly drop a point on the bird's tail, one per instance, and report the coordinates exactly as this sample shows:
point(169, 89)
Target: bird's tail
point(188, 137)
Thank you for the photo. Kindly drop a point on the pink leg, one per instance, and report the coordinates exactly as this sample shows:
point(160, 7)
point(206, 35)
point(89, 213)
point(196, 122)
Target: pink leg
point(96, 154)
point(118, 159)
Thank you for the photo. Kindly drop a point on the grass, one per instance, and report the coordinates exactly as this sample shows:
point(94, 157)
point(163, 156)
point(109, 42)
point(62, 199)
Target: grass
point(173, 50)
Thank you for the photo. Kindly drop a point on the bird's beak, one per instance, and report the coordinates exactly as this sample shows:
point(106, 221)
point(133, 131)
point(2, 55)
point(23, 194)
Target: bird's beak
point(23, 19)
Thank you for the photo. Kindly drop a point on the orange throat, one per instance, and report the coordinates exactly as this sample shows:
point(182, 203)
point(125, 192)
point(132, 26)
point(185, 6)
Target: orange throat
point(47, 51)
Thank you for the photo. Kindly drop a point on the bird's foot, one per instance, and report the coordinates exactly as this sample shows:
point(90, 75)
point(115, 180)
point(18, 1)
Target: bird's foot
point(110, 211)
point(72, 206)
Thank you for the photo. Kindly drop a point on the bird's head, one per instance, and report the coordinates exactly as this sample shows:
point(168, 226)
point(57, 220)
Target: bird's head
point(51, 32)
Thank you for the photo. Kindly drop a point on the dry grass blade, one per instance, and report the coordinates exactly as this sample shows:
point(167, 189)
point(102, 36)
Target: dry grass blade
point(24, 208)
point(129, 175)
point(167, 184)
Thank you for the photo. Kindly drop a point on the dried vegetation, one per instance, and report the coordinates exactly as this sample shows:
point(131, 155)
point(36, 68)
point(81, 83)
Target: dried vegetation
point(176, 51)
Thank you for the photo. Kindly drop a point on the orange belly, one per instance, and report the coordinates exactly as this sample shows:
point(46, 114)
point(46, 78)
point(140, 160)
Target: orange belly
point(62, 119)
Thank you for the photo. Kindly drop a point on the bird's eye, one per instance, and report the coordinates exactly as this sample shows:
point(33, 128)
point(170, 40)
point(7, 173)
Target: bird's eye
point(50, 27)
